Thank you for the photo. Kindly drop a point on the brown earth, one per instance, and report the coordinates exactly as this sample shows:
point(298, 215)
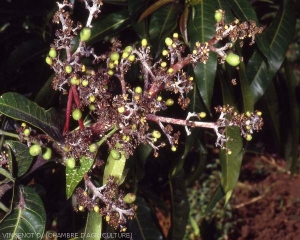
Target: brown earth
point(266, 202)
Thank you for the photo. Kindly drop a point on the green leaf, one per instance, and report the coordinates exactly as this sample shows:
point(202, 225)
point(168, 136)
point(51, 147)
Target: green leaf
point(93, 226)
point(114, 168)
point(230, 163)
point(216, 197)
point(280, 34)
point(162, 24)
point(183, 23)
point(7, 175)
point(226, 7)
point(20, 108)
point(109, 25)
point(290, 81)
point(202, 29)
point(142, 226)
point(74, 176)
point(135, 9)
point(28, 218)
point(158, 4)
point(180, 207)
point(22, 157)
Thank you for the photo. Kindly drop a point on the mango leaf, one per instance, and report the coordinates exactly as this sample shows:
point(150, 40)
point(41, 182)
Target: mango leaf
point(216, 197)
point(28, 218)
point(7, 175)
point(109, 25)
point(142, 226)
point(201, 29)
point(93, 226)
point(226, 7)
point(22, 157)
point(180, 207)
point(162, 23)
point(280, 34)
point(74, 176)
point(183, 23)
point(154, 7)
point(135, 9)
point(294, 120)
point(20, 108)
point(230, 163)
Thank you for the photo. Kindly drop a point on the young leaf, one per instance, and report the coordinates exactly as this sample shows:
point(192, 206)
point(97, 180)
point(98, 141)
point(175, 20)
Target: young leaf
point(20, 108)
point(22, 157)
point(154, 7)
point(74, 176)
point(27, 217)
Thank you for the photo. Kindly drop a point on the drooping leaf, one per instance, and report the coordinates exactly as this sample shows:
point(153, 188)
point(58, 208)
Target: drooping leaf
point(216, 197)
point(201, 29)
point(158, 4)
point(27, 219)
point(109, 25)
point(22, 157)
point(93, 226)
point(74, 176)
point(230, 163)
point(20, 108)
point(290, 81)
point(143, 225)
point(114, 167)
point(7, 175)
point(180, 207)
point(280, 34)
point(183, 23)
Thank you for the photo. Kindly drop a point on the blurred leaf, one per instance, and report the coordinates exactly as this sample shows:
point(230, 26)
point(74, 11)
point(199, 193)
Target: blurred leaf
point(115, 168)
point(158, 4)
point(162, 24)
point(22, 157)
point(74, 176)
point(7, 175)
point(109, 25)
point(93, 226)
point(142, 226)
point(290, 81)
point(20, 108)
point(216, 197)
point(180, 207)
point(27, 217)
point(280, 34)
point(46, 94)
point(201, 29)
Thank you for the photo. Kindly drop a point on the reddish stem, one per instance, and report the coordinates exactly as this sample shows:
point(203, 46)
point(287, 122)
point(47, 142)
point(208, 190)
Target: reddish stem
point(68, 111)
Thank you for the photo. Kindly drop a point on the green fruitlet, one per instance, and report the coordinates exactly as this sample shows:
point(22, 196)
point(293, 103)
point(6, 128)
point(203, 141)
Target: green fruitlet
point(248, 137)
point(144, 42)
point(110, 72)
point(218, 15)
point(68, 69)
point(129, 198)
point(35, 150)
point(168, 41)
point(76, 114)
point(233, 59)
point(71, 163)
point(52, 53)
point(125, 54)
point(128, 49)
point(131, 58)
point(169, 102)
point(47, 153)
point(115, 154)
point(121, 109)
point(85, 34)
point(138, 90)
point(26, 132)
point(173, 149)
point(85, 82)
point(96, 208)
point(114, 56)
point(49, 60)
point(93, 147)
point(156, 134)
point(202, 115)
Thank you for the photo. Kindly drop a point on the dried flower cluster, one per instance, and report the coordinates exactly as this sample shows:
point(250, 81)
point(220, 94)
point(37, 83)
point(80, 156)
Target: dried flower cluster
point(125, 110)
